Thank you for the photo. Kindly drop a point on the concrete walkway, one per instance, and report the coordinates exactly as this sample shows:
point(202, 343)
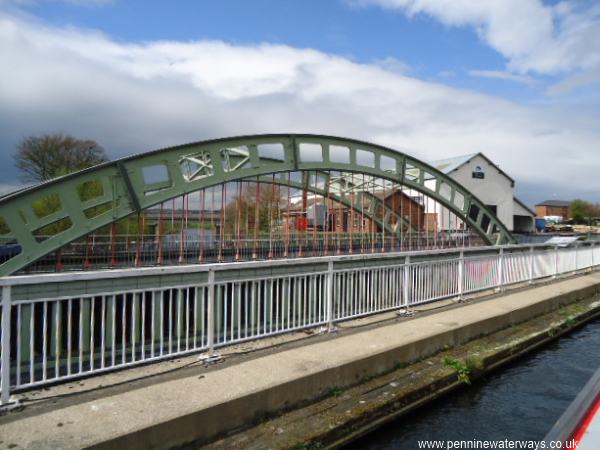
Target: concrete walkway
point(196, 407)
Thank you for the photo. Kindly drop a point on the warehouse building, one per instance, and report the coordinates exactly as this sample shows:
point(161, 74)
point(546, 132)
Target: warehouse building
point(554, 208)
point(492, 186)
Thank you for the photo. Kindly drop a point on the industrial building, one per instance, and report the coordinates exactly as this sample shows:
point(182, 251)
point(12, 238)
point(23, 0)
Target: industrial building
point(492, 185)
point(554, 208)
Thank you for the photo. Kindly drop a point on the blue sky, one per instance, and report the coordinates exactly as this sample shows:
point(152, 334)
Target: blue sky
point(515, 79)
point(365, 34)
point(419, 45)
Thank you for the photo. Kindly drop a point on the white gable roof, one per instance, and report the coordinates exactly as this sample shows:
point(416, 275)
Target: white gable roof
point(520, 209)
point(450, 164)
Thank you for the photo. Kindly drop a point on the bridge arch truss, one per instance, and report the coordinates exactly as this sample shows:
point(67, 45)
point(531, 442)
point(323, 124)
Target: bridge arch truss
point(355, 174)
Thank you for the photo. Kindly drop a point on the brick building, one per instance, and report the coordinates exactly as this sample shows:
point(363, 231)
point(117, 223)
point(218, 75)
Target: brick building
point(554, 208)
point(341, 218)
point(411, 208)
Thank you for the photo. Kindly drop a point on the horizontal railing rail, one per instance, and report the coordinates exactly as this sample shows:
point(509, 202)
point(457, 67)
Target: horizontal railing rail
point(60, 326)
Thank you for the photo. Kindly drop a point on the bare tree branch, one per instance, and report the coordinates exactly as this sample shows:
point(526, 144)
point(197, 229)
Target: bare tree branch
point(41, 158)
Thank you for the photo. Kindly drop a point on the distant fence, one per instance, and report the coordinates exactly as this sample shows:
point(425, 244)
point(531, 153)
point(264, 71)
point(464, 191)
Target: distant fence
point(98, 252)
point(61, 326)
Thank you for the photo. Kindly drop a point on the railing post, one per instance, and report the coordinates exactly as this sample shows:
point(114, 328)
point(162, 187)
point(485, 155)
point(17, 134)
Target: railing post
point(461, 275)
point(406, 286)
point(555, 262)
point(531, 262)
point(210, 356)
point(5, 400)
point(500, 286)
point(330, 275)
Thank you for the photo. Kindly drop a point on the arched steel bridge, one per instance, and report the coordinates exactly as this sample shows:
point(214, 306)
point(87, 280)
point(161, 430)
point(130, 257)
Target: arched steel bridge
point(402, 200)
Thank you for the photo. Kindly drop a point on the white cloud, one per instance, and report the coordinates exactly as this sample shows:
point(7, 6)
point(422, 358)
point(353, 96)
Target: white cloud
point(446, 73)
point(584, 79)
point(138, 97)
point(503, 75)
point(392, 64)
point(532, 35)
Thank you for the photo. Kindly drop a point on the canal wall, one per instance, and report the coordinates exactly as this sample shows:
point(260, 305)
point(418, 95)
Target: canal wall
point(194, 410)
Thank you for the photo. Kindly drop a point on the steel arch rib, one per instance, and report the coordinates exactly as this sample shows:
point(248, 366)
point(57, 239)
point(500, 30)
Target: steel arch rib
point(138, 182)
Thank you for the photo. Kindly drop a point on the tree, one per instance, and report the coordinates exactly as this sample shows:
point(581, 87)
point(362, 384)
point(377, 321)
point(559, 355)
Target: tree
point(581, 211)
point(41, 158)
point(245, 206)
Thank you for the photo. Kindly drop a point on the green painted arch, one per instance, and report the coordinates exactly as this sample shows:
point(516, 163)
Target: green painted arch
point(135, 183)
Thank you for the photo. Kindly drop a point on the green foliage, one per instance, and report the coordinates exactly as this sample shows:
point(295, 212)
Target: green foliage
point(90, 190)
point(254, 209)
point(310, 445)
point(335, 392)
point(582, 211)
point(461, 369)
point(3, 227)
point(473, 363)
point(41, 158)
point(579, 210)
point(46, 206)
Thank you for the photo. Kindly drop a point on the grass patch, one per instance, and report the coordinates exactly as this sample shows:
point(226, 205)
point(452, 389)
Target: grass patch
point(335, 391)
point(401, 365)
point(473, 363)
point(460, 367)
point(577, 308)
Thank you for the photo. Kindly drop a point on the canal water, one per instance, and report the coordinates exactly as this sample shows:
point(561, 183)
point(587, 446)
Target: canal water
point(520, 402)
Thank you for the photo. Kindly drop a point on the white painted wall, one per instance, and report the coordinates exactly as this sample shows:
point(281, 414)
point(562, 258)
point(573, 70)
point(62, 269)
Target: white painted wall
point(494, 189)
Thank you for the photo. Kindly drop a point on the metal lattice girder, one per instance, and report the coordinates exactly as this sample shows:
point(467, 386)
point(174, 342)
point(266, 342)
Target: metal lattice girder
point(138, 182)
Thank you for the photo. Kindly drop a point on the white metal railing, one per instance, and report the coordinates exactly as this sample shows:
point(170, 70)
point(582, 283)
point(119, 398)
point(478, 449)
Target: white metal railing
point(61, 326)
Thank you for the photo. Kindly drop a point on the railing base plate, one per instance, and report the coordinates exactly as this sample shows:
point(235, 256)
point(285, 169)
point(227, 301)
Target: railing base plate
point(207, 358)
point(328, 329)
point(12, 403)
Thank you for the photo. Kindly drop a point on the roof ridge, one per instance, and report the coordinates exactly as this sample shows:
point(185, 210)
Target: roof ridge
point(448, 165)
